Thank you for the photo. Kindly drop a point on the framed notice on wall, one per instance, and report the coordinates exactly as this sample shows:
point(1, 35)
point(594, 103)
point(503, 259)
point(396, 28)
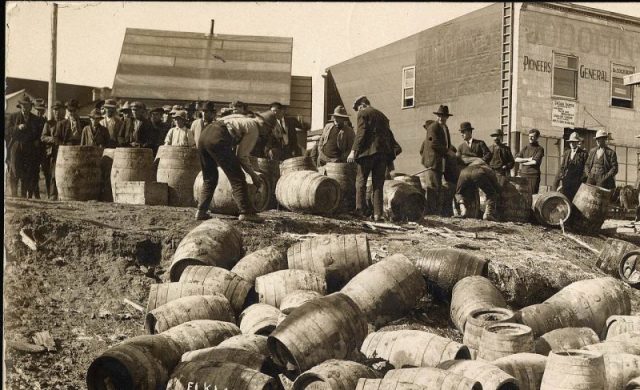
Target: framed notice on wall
point(563, 113)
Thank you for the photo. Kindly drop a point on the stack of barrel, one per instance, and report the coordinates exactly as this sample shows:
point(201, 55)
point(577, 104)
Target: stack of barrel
point(309, 313)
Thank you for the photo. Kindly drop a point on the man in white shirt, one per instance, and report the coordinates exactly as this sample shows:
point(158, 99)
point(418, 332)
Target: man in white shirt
point(207, 115)
point(180, 135)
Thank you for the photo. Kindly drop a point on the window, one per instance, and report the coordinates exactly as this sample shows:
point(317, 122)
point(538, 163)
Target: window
point(565, 76)
point(621, 95)
point(408, 86)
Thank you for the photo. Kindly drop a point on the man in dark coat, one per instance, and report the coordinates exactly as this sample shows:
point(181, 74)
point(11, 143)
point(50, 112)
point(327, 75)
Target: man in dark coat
point(21, 135)
point(373, 150)
point(54, 134)
point(530, 159)
point(138, 132)
point(472, 147)
point(476, 174)
point(602, 163)
point(336, 140)
point(501, 159)
point(571, 170)
point(285, 133)
point(111, 121)
point(41, 109)
point(72, 124)
point(160, 128)
point(94, 134)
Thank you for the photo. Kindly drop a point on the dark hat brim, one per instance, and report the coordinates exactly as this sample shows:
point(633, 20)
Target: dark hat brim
point(340, 115)
point(467, 129)
point(442, 113)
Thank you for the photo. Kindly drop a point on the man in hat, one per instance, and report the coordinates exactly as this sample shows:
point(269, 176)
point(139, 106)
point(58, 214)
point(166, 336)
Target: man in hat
point(126, 129)
point(530, 159)
point(373, 150)
point(180, 135)
point(336, 140)
point(138, 133)
point(160, 128)
point(73, 124)
point(111, 122)
point(207, 115)
point(602, 163)
point(54, 134)
point(571, 169)
point(500, 156)
point(41, 109)
point(285, 133)
point(476, 174)
point(94, 134)
point(22, 133)
point(472, 147)
point(166, 116)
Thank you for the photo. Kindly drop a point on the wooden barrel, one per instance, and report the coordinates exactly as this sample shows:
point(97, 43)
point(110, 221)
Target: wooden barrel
point(334, 374)
point(413, 181)
point(161, 293)
point(337, 257)
point(132, 164)
point(473, 293)
point(612, 253)
point(617, 325)
point(271, 170)
point(308, 192)
point(632, 337)
point(489, 376)
point(178, 166)
point(221, 281)
point(619, 369)
point(78, 173)
point(551, 208)
point(565, 338)
point(545, 317)
point(387, 290)
point(633, 384)
point(412, 348)
point(142, 362)
point(200, 334)
point(246, 358)
point(223, 201)
point(443, 268)
point(386, 384)
point(259, 318)
point(504, 339)
point(294, 164)
point(479, 319)
point(574, 369)
point(218, 375)
point(261, 262)
point(345, 175)
point(433, 378)
point(213, 242)
point(248, 342)
point(330, 327)
point(514, 203)
point(179, 311)
point(527, 368)
point(106, 162)
point(296, 299)
point(591, 205)
point(271, 288)
point(615, 346)
point(629, 270)
point(402, 202)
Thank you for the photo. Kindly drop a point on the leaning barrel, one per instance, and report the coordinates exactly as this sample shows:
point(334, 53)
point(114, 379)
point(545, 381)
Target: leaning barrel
point(334, 374)
point(261, 262)
point(132, 164)
point(473, 293)
point(218, 375)
point(223, 201)
point(345, 175)
point(105, 163)
point(181, 310)
point(294, 164)
point(432, 378)
point(178, 167)
point(78, 172)
point(551, 208)
point(514, 203)
point(213, 242)
point(489, 376)
point(308, 192)
point(574, 369)
point(402, 201)
point(629, 269)
point(218, 280)
point(611, 254)
point(565, 338)
point(271, 169)
point(591, 205)
point(504, 339)
point(527, 368)
point(200, 334)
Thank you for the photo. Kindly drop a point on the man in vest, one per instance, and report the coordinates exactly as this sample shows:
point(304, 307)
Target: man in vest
point(602, 163)
point(336, 140)
point(571, 170)
point(500, 156)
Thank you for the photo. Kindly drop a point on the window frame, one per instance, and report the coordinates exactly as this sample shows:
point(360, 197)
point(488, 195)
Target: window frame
point(611, 97)
point(403, 88)
point(553, 74)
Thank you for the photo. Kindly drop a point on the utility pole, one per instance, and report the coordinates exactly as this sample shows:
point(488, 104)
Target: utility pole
point(52, 72)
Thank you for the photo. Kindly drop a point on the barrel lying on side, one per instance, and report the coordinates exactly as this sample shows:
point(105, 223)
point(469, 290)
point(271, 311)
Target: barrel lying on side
point(78, 172)
point(178, 166)
point(161, 293)
point(480, 319)
point(261, 262)
point(221, 281)
point(614, 346)
point(227, 355)
point(259, 318)
point(619, 369)
point(527, 368)
point(271, 288)
point(574, 369)
point(218, 375)
point(565, 338)
point(308, 192)
point(551, 208)
point(433, 378)
point(223, 201)
point(629, 270)
point(203, 307)
point(200, 334)
point(504, 339)
point(249, 342)
point(402, 201)
point(617, 325)
point(489, 376)
point(473, 293)
point(295, 164)
point(611, 255)
point(334, 374)
point(633, 384)
point(296, 299)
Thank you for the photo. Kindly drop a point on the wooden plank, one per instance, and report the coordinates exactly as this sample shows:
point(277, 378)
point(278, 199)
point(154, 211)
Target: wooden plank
point(257, 46)
point(292, 111)
point(190, 94)
point(228, 64)
point(301, 81)
point(183, 34)
point(301, 105)
point(210, 84)
point(135, 59)
point(202, 73)
point(304, 97)
point(194, 43)
point(233, 55)
point(295, 89)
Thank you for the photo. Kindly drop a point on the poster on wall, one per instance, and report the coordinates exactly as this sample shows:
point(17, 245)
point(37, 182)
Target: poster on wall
point(563, 113)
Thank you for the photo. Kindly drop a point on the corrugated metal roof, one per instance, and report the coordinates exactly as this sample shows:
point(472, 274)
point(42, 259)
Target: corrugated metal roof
point(172, 65)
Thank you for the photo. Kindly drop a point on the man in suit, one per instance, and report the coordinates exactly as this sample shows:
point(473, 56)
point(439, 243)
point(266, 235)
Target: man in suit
point(73, 126)
point(336, 140)
point(22, 133)
point(372, 150)
point(207, 115)
point(571, 170)
point(53, 135)
point(127, 123)
point(94, 134)
point(500, 159)
point(285, 133)
point(602, 163)
point(41, 109)
point(530, 159)
point(111, 121)
point(139, 133)
point(472, 147)
point(160, 128)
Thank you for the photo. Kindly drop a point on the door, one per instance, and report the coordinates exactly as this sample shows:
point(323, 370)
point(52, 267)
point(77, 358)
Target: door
point(588, 137)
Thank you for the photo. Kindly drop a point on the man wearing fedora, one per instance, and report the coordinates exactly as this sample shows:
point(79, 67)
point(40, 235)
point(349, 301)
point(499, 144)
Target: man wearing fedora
point(94, 134)
point(472, 147)
point(41, 110)
point(54, 134)
point(160, 128)
point(336, 139)
point(571, 169)
point(127, 123)
point(602, 163)
point(207, 115)
point(373, 150)
point(530, 159)
point(72, 124)
point(138, 131)
point(111, 122)
point(180, 135)
point(22, 135)
point(500, 157)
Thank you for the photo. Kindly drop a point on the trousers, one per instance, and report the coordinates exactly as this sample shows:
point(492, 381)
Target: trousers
point(376, 165)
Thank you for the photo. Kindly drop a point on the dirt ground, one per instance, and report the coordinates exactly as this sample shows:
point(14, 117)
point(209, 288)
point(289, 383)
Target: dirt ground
point(92, 255)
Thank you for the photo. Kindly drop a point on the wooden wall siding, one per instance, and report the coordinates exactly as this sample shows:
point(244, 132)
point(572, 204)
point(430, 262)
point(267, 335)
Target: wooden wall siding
point(170, 65)
point(301, 98)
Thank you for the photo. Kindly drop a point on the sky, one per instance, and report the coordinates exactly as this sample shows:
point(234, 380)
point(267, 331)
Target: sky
point(90, 34)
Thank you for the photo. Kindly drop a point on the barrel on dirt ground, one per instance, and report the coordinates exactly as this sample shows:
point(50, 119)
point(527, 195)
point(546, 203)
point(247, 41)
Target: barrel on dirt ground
point(179, 311)
point(386, 290)
point(259, 318)
point(617, 325)
point(337, 257)
point(223, 201)
point(527, 368)
point(504, 339)
point(273, 287)
point(591, 205)
point(221, 281)
point(443, 268)
point(551, 208)
point(106, 162)
point(330, 327)
point(345, 175)
point(412, 348)
point(178, 166)
point(296, 299)
point(246, 358)
point(248, 342)
point(402, 202)
point(78, 173)
point(142, 362)
point(490, 376)
point(295, 164)
point(271, 170)
point(479, 319)
point(432, 378)
point(514, 202)
point(334, 374)
point(629, 270)
point(161, 293)
point(200, 334)
point(218, 375)
point(612, 253)
point(132, 164)
point(473, 293)
point(413, 181)
point(565, 338)
point(213, 242)
point(619, 369)
point(261, 262)
point(574, 369)
point(613, 346)
point(308, 192)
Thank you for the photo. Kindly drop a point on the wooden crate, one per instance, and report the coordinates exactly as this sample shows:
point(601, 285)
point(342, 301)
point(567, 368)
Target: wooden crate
point(140, 192)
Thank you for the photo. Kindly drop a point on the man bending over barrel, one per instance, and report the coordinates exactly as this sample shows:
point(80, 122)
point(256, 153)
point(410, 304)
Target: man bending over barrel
point(476, 174)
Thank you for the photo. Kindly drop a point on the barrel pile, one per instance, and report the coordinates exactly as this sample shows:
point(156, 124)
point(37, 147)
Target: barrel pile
point(313, 314)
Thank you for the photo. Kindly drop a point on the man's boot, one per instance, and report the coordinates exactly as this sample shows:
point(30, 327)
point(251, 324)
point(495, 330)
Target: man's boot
point(490, 209)
point(250, 218)
point(202, 215)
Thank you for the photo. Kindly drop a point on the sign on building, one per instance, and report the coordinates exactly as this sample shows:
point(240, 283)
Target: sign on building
point(563, 113)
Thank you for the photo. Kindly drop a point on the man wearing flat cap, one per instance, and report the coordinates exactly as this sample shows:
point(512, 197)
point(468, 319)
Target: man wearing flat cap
point(500, 159)
point(373, 150)
point(571, 169)
point(207, 115)
point(22, 134)
point(94, 134)
point(111, 122)
point(138, 132)
point(336, 139)
point(601, 167)
point(160, 128)
point(180, 134)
